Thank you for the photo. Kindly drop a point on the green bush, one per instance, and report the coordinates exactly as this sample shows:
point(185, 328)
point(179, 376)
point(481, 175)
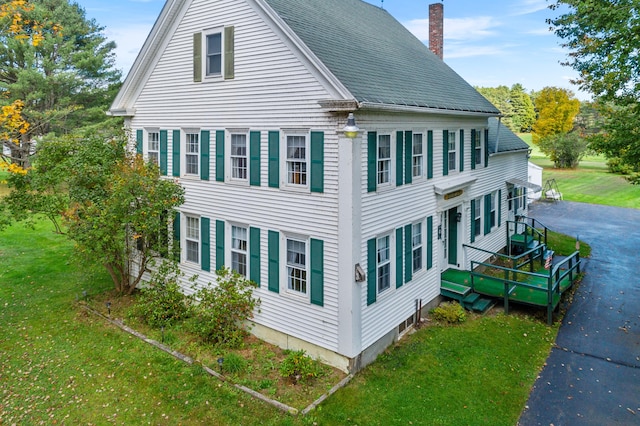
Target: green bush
point(298, 367)
point(616, 165)
point(234, 364)
point(449, 312)
point(162, 303)
point(221, 310)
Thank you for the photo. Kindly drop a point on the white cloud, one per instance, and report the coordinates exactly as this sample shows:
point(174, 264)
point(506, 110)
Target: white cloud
point(525, 7)
point(456, 28)
point(540, 32)
point(454, 51)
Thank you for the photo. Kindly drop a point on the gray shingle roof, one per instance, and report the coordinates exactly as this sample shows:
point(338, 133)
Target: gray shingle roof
point(377, 58)
point(508, 140)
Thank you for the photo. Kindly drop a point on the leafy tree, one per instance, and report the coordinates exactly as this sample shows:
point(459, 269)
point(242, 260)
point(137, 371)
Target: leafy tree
point(500, 97)
point(524, 114)
point(56, 72)
point(115, 205)
point(564, 149)
point(557, 109)
point(602, 36)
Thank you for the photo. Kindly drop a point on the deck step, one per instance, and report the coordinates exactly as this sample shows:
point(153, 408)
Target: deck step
point(470, 299)
point(482, 305)
point(459, 289)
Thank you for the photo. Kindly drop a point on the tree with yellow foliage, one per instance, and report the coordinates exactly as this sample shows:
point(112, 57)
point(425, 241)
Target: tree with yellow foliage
point(56, 75)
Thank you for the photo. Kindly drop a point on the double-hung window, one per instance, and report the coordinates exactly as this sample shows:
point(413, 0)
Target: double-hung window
point(192, 239)
point(297, 266)
point(416, 246)
point(214, 53)
point(477, 217)
point(492, 214)
point(477, 146)
point(153, 147)
point(192, 154)
point(383, 263)
point(418, 155)
point(451, 151)
point(239, 249)
point(239, 160)
point(384, 159)
point(297, 159)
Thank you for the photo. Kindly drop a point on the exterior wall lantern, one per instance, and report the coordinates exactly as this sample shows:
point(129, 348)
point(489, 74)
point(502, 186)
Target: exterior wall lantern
point(458, 217)
point(351, 129)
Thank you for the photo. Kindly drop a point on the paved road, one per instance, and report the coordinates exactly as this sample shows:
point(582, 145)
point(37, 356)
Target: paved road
point(592, 376)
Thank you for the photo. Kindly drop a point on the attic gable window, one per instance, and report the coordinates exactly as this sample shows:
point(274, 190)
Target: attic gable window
point(213, 54)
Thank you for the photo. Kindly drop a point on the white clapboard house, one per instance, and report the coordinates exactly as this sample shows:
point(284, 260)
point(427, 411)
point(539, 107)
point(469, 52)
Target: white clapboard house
point(244, 103)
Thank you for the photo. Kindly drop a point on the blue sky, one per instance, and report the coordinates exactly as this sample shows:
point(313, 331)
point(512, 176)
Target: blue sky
point(489, 43)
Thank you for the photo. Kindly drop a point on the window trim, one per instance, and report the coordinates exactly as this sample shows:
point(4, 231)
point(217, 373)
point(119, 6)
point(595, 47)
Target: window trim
point(390, 168)
point(147, 146)
point(420, 246)
point(386, 262)
point(205, 56)
point(230, 166)
point(478, 148)
point(452, 153)
point(246, 252)
point(477, 217)
point(307, 268)
point(188, 238)
point(186, 144)
point(422, 156)
point(493, 210)
point(284, 168)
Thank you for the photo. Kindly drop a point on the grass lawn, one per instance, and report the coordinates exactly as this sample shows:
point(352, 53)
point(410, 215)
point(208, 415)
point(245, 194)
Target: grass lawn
point(59, 364)
point(591, 182)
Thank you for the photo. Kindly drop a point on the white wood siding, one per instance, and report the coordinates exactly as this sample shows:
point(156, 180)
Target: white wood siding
point(272, 90)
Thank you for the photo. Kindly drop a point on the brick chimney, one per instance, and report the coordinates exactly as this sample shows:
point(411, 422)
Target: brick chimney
point(436, 19)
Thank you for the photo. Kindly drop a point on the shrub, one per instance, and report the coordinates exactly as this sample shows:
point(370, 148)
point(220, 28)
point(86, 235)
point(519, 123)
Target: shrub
point(616, 165)
point(162, 303)
point(298, 367)
point(221, 310)
point(449, 312)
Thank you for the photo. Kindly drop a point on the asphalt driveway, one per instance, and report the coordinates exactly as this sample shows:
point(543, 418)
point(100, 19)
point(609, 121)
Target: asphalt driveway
point(592, 376)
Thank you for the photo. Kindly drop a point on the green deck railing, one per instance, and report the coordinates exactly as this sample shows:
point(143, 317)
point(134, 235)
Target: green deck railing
point(542, 288)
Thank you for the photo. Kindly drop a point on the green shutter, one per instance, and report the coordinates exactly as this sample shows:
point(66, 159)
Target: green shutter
point(220, 155)
point(205, 147)
point(408, 253)
point(139, 142)
point(429, 242)
point(317, 272)
point(486, 147)
point(197, 57)
point(399, 253)
point(254, 158)
point(219, 244)
point(274, 261)
point(461, 150)
point(499, 201)
point(164, 147)
point(254, 255)
point(430, 154)
point(317, 161)
point(175, 155)
point(408, 156)
point(473, 149)
point(229, 59)
point(399, 157)
point(205, 238)
point(445, 153)
point(372, 156)
point(487, 214)
point(473, 220)
point(371, 271)
point(274, 159)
